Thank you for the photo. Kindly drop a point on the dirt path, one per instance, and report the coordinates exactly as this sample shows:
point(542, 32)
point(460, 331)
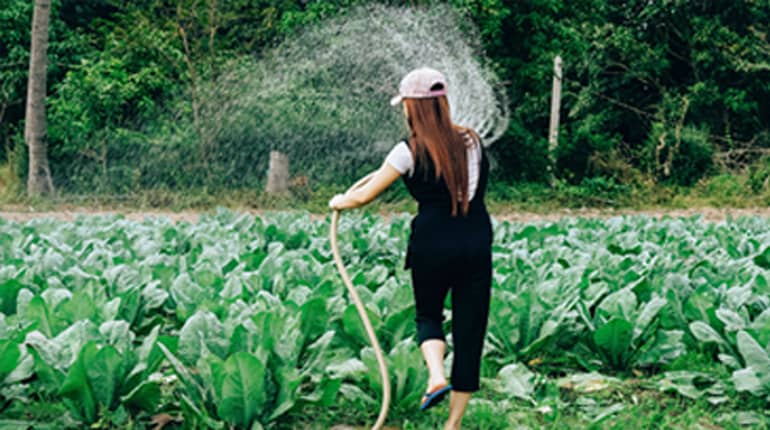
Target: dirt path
point(71, 213)
point(21, 214)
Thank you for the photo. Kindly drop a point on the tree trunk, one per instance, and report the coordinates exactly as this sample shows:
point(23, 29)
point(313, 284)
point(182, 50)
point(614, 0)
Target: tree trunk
point(35, 129)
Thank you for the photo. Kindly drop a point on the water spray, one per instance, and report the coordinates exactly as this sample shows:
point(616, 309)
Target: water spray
point(321, 95)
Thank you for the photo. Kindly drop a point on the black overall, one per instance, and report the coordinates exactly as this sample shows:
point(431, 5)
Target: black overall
point(451, 253)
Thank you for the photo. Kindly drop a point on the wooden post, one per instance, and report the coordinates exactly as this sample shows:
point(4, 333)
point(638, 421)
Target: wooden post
point(278, 173)
point(553, 133)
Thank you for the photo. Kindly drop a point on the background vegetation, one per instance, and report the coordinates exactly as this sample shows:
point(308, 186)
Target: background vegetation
point(657, 96)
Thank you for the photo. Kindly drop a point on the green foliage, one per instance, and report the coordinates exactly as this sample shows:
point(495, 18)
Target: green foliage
point(9, 359)
point(622, 64)
point(759, 175)
point(242, 389)
point(243, 321)
point(755, 377)
point(68, 43)
point(655, 89)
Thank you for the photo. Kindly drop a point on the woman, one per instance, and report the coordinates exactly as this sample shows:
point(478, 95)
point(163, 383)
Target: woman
point(445, 169)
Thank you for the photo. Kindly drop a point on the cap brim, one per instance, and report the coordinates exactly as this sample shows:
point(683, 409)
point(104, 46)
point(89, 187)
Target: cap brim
point(396, 100)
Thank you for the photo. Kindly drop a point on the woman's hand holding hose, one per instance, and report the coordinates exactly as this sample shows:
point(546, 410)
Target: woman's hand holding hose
point(336, 202)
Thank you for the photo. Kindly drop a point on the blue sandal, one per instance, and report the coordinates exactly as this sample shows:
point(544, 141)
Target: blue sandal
point(433, 398)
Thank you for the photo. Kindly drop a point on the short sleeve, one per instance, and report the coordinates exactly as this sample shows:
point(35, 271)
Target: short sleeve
point(400, 157)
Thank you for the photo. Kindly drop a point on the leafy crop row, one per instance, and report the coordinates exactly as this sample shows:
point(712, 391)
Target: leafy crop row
point(242, 321)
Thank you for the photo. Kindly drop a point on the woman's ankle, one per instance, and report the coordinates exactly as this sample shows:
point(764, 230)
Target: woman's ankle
point(437, 380)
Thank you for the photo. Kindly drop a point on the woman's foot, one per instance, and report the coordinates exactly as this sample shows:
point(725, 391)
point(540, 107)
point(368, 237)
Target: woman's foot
point(433, 351)
point(434, 395)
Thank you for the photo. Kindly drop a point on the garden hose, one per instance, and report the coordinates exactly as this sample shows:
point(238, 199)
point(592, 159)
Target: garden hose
point(364, 318)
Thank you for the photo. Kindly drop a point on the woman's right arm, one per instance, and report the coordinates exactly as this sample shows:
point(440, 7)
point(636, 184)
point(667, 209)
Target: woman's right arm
point(366, 189)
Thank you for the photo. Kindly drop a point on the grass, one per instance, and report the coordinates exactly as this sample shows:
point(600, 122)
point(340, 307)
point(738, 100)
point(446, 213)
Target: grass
point(635, 402)
point(628, 406)
point(719, 191)
point(501, 199)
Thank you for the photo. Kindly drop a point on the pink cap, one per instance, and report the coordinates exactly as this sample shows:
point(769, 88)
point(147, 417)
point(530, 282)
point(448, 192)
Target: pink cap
point(419, 84)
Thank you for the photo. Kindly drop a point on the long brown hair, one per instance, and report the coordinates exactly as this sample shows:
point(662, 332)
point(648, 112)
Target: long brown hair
point(433, 134)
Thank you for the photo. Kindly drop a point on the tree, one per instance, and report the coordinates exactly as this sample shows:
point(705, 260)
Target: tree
point(35, 129)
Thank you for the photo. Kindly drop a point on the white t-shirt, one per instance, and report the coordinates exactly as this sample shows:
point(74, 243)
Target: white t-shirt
point(400, 157)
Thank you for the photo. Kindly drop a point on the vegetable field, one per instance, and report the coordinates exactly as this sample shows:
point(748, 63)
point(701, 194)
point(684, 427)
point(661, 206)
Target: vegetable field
point(243, 322)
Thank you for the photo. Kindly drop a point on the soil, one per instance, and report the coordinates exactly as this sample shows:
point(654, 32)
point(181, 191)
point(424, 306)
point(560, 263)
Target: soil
point(710, 214)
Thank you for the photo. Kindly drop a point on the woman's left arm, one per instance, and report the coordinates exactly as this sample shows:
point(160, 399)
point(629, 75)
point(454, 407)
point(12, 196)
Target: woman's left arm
point(366, 189)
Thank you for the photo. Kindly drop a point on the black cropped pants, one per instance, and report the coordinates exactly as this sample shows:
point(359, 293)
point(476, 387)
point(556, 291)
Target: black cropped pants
point(466, 272)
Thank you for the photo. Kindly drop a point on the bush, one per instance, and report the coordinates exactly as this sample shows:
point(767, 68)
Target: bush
point(519, 155)
point(724, 190)
point(759, 175)
point(679, 162)
point(695, 158)
point(612, 165)
point(579, 142)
